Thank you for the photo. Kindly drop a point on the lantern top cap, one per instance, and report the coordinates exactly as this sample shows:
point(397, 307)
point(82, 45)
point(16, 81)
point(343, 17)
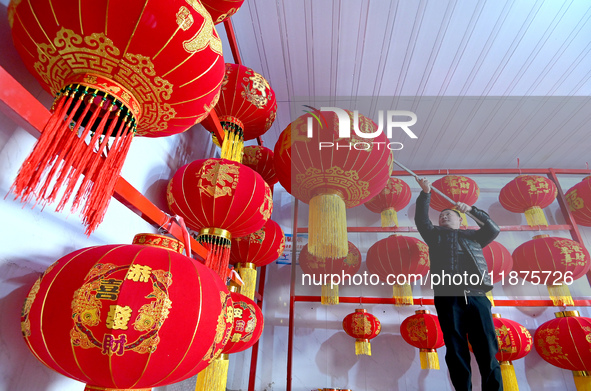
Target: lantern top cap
point(496, 315)
point(420, 312)
point(362, 310)
point(566, 314)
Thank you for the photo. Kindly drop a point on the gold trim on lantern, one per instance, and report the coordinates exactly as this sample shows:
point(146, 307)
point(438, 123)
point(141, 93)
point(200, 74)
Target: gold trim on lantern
point(216, 232)
point(496, 315)
point(541, 236)
point(246, 265)
point(159, 241)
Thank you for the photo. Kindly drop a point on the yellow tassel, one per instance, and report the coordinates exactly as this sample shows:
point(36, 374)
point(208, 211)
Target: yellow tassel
point(362, 347)
point(582, 380)
point(248, 273)
point(232, 146)
point(464, 219)
point(215, 376)
point(429, 359)
point(560, 295)
point(535, 216)
point(389, 218)
point(330, 294)
point(490, 298)
point(327, 226)
point(509, 378)
point(402, 295)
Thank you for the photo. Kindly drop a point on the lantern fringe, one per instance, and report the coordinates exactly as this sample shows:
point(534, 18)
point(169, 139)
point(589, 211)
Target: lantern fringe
point(215, 376)
point(490, 297)
point(62, 156)
point(402, 295)
point(233, 143)
point(362, 347)
point(535, 216)
point(327, 227)
point(389, 218)
point(218, 257)
point(582, 380)
point(508, 375)
point(248, 273)
point(560, 295)
point(429, 359)
point(329, 294)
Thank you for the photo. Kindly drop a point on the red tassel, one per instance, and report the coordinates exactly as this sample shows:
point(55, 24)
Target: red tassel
point(218, 257)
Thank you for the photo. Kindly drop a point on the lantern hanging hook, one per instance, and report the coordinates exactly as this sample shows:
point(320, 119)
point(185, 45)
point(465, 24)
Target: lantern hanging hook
point(518, 168)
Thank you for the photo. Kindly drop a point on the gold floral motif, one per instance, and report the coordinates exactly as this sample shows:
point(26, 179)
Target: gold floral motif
point(218, 180)
point(184, 19)
point(360, 325)
point(347, 182)
point(222, 17)
point(269, 121)
point(206, 36)
point(169, 195)
point(257, 91)
point(252, 156)
point(506, 340)
point(281, 247)
point(572, 254)
point(12, 10)
point(423, 253)
point(266, 207)
point(352, 259)
point(550, 345)
point(223, 329)
point(25, 323)
point(574, 201)
point(417, 330)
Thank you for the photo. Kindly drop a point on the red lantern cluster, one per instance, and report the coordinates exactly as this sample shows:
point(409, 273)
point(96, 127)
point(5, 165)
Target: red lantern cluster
point(362, 326)
point(457, 187)
point(423, 331)
point(529, 194)
point(579, 202)
point(130, 307)
point(394, 197)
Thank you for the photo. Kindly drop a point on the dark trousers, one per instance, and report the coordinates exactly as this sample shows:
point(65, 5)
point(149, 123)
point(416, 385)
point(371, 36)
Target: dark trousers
point(463, 318)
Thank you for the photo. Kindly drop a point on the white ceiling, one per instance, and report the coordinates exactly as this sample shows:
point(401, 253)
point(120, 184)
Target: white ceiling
point(490, 81)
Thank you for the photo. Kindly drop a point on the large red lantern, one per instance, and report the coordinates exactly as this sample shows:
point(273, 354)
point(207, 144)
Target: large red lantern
point(423, 331)
point(529, 194)
point(318, 269)
point(331, 173)
point(246, 331)
point(556, 262)
point(457, 187)
point(146, 69)
point(515, 342)
point(220, 199)
point(128, 316)
point(246, 109)
point(394, 197)
point(579, 202)
point(221, 10)
point(398, 260)
point(260, 159)
point(362, 326)
point(499, 263)
point(256, 250)
point(565, 342)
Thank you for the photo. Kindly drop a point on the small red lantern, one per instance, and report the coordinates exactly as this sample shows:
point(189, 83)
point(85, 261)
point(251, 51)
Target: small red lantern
point(256, 250)
point(394, 197)
point(529, 194)
point(318, 268)
point(149, 69)
point(579, 202)
point(457, 187)
point(135, 311)
point(553, 261)
point(247, 329)
point(499, 262)
point(402, 257)
point(221, 10)
point(423, 331)
point(515, 342)
point(565, 342)
point(362, 326)
point(221, 199)
point(260, 159)
point(331, 179)
point(246, 109)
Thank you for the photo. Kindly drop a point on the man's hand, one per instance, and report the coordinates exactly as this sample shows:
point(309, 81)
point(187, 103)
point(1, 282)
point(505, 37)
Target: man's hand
point(424, 183)
point(464, 208)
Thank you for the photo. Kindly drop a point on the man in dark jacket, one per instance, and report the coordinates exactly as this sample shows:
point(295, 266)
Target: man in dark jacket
point(460, 280)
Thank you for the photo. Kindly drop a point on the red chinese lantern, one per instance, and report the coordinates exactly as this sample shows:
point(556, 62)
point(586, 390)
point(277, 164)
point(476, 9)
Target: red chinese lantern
point(260, 159)
point(330, 178)
point(565, 342)
point(499, 262)
point(318, 268)
point(529, 194)
point(246, 331)
point(423, 331)
point(515, 342)
point(556, 262)
point(397, 260)
point(128, 316)
point(394, 197)
point(362, 326)
point(221, 10)
point(220, 199)
point(579, 202)
point(457, 187)
point(256, 250)
point(146, 69)
point(246, 109)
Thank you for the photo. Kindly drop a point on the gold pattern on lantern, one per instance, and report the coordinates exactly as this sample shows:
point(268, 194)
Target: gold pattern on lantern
point(252, 156)
point(218, 180)
point(347, 183)
point(206, 35)
point(423, 253)
point(571, 252)
point(184, 19)
point(257, 90)
point(360, 325)
point(417, 330)
point(118, 317)
point(25, 323)
point(536, 185)
point(550, 346)
point(574, 201)
point(267, 206)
